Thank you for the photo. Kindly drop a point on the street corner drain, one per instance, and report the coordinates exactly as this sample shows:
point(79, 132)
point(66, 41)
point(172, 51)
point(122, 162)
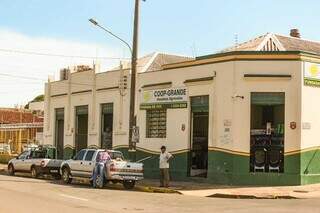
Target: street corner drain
point(231, 196)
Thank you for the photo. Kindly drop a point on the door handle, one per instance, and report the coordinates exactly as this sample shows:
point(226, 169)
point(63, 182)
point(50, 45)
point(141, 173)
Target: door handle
point(80, 162)
point(89, 163)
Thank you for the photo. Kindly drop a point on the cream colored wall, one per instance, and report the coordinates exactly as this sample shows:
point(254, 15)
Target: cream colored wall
point(176, 139)
point(223, 108)
point(85, 81)
point(229, 82)
point(243, 87)
point(310, 113)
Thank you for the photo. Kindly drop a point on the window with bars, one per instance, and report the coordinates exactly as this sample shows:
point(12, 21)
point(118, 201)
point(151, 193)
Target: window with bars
point(156, 123)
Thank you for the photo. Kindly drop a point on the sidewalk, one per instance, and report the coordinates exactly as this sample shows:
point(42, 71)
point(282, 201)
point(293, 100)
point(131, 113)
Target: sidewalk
point(226, 191)
point(240, 192)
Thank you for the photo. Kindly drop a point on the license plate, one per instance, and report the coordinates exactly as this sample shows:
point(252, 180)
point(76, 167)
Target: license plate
point(129, 178)
point(54, 171)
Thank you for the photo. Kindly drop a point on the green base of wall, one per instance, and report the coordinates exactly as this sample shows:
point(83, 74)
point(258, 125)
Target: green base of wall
point(232, 169)
point(68, 153)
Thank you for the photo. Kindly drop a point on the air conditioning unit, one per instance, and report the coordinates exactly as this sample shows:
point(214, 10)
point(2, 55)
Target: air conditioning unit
point(64, 74)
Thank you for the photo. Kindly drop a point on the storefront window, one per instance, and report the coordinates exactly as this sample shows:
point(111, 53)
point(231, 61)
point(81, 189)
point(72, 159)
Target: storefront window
point(156, 123)
point(267, 132)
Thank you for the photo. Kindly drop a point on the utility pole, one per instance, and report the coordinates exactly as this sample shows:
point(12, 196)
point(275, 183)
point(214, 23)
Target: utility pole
point(132, 119)
point(134, 57)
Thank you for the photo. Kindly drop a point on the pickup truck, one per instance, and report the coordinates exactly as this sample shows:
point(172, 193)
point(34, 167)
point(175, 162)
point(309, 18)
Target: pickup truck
point(118, 170)
point(37, 161)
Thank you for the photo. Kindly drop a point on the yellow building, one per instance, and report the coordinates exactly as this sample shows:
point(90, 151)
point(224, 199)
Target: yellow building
point(19, 136)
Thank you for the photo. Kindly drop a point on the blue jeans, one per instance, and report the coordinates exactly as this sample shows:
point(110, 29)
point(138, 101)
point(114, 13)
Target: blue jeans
point(98, 170)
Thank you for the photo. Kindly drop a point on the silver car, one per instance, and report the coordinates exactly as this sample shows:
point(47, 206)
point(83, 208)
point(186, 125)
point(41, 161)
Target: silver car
point(37, 162)
point(118, 170)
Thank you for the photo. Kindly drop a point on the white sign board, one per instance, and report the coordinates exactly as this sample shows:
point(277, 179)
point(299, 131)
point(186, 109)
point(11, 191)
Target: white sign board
point(312, 74)
point(169, 98)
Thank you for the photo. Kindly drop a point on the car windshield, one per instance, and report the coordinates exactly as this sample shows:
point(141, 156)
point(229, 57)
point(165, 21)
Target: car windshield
point(38, 154)
point(116, 155)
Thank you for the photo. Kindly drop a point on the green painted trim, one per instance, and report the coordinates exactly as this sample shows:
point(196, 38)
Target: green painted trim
point(93, 147)
point(69, 146)
point(311, 82)
point(68, 153)
point(250, 53)
point(157, 84)
point(151, 151)
point(234, 169)
point(164, 105)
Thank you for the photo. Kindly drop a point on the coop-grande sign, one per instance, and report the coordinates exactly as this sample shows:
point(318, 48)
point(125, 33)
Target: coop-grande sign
point(164, 98)
point(312, 75)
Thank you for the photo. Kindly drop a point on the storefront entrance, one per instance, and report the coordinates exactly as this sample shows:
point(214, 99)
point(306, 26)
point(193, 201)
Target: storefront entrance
point(106, 125)
point(199, 136)
point(81, 140)
point(267, 132)
point(59, 132)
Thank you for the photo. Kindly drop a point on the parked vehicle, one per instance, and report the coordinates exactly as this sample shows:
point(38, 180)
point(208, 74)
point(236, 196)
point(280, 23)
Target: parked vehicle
point(5, 148)
point(37, 161)
point(118, 170)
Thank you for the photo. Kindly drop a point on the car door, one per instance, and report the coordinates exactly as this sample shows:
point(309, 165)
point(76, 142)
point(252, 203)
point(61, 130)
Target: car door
point(28, 161)
point(19, 163)
point(76, 167)
point(89, 162)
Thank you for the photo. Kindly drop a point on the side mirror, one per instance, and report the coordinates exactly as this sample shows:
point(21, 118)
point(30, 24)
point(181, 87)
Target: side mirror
point(73, 157)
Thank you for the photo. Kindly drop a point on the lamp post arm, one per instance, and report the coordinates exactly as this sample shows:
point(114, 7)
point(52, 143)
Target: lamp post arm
point(114, 35)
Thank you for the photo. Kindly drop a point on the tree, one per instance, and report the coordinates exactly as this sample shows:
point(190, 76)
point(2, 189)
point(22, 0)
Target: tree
point(36, 99)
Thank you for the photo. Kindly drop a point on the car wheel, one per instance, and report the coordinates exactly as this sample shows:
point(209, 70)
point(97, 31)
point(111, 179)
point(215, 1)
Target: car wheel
point(66, 175)
point(34, 172)
point(99, 182)
point(129, 184)
point(11, 170)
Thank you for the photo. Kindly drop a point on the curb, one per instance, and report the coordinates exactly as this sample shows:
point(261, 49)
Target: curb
point(156, 190)
point(235, 196)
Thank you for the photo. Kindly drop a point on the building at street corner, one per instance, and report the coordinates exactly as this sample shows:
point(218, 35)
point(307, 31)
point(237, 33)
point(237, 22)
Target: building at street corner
point(246, 115)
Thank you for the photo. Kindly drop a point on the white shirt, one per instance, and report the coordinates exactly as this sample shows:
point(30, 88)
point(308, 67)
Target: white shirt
point(164, 157)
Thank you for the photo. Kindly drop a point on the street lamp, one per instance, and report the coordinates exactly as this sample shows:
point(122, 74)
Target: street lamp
point(95, 22)
point(134, 57)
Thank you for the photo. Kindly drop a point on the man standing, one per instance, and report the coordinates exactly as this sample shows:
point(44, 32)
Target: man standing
point(165, 157)
point(98, 176)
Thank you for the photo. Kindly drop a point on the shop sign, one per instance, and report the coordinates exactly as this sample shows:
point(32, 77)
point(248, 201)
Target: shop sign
point(164, 98)
point(135, 134)
point(312, 74)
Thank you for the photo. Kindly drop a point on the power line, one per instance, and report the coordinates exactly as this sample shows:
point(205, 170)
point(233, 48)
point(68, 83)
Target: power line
point(61, 55)
point(43, 80)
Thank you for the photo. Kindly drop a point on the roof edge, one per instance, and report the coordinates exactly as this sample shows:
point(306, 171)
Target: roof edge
point(241, 55)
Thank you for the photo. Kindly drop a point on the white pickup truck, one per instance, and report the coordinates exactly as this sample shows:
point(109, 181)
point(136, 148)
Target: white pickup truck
point(37, 161)
point(118, 170)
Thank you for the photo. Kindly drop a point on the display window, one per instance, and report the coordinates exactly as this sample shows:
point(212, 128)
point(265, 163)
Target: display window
point(267, 132)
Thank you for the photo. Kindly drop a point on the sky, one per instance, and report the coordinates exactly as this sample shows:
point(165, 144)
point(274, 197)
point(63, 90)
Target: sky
point(183, 27)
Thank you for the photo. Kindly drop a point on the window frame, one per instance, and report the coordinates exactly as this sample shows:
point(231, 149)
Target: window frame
point(148, 125)
point(85, 157)
point(83, 150)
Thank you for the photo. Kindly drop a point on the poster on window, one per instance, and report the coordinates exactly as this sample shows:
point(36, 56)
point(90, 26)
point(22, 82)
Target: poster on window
point(312, 74)
point(164, 98)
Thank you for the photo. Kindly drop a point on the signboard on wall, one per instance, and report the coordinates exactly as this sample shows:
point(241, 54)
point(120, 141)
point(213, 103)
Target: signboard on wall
point(164, 98)
point(312, 74)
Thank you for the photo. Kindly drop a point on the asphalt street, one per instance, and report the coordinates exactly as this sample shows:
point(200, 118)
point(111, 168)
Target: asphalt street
point(23, 194)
